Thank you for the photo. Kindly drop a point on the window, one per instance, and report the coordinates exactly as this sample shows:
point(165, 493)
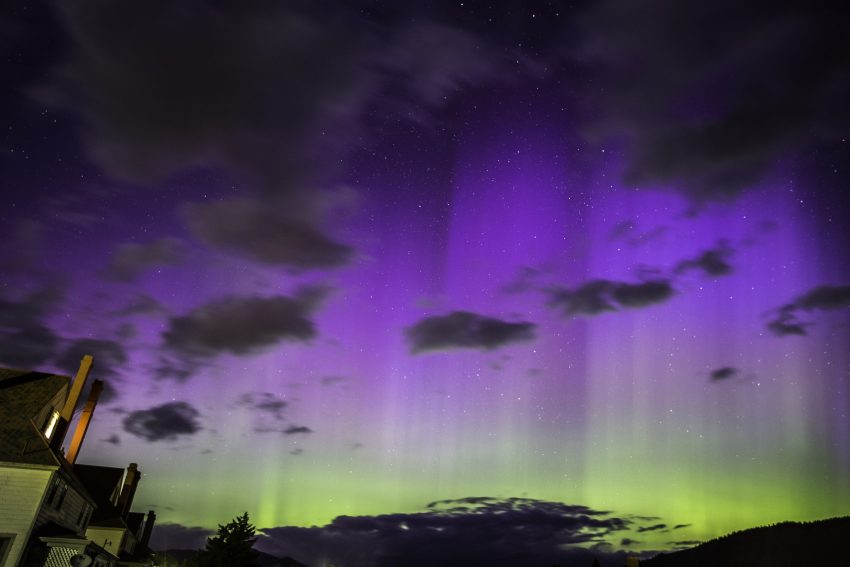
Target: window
point(51, 424)
point(62, 492)
point(85, 516)
point(53, 488)
point(82, 515)
point(57, 493)
point(5, 545)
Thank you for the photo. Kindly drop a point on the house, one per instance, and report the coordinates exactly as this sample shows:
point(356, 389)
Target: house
point(113, 526)
point(46, 508)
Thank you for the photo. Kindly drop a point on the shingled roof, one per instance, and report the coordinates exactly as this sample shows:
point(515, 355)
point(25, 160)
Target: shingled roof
point(23, 394)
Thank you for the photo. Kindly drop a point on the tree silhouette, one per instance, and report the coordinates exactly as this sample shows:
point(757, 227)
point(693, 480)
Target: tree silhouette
point(232, 547)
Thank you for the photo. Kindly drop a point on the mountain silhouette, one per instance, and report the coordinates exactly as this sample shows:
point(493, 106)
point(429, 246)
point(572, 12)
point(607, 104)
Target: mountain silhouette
point(822, 544)
point(181, 557)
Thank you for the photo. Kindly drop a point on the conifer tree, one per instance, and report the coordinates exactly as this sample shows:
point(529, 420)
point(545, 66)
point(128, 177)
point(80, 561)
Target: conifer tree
point(232, 547)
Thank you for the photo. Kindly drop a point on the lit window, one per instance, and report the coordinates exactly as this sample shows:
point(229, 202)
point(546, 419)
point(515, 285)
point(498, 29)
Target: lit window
point(51, 425)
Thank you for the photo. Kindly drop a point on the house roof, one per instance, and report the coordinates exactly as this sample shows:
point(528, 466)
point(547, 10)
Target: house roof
point(134, 521)
point(101, 483)
point(23, 394)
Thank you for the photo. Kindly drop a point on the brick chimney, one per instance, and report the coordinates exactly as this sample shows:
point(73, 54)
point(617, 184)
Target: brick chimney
point(85, 419)
point(71, 402)
point(146, 534)
point(128, 491)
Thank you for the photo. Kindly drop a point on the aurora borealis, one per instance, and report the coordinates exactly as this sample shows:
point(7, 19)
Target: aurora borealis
point(347, 259)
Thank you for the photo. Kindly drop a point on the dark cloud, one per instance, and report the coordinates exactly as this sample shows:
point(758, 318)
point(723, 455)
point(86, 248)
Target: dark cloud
point(331, 380)
point(268, 412)
point(22, 247)
point(240, 80)
point(142, 304)
point(130, 261)
point(706, 112)
point(648, 236)
point(627, 231)
point(27, 346)
point(163, 423)
point(825, 297)
point(467, 532)
point(642, 294)
point(622, 229)
point(723, 372)
point(652, 528)
point(109, 357)
point(462, 329)
point(265, 426)
point(276, 93)
point(265, 402)
point(644, 272)
point(644, 518)
point(266, 234)
point(26, 341)
point(591, 298)
point(243, 325)
point(627, 541)
point(126, 331)
point(297, 451)
point(712, 262)
point(243, 88)
point(172, 368)
point(680, 526)
point(113, 440)
point(600, 296)
point(177, 536)
point(785, 320)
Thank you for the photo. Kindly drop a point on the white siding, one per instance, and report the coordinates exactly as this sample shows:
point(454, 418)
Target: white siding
point(130, 542)
point(108, 538)
point(21, 493)
point(68, 513)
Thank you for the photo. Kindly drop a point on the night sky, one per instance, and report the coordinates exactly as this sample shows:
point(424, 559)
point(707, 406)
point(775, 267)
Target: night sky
point(396, 278)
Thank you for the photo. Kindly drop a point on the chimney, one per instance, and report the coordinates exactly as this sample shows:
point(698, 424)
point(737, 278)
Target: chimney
point(71, 402)
point(131, 482)
point(146, 534)
point(77, 387)
point(83, 425)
